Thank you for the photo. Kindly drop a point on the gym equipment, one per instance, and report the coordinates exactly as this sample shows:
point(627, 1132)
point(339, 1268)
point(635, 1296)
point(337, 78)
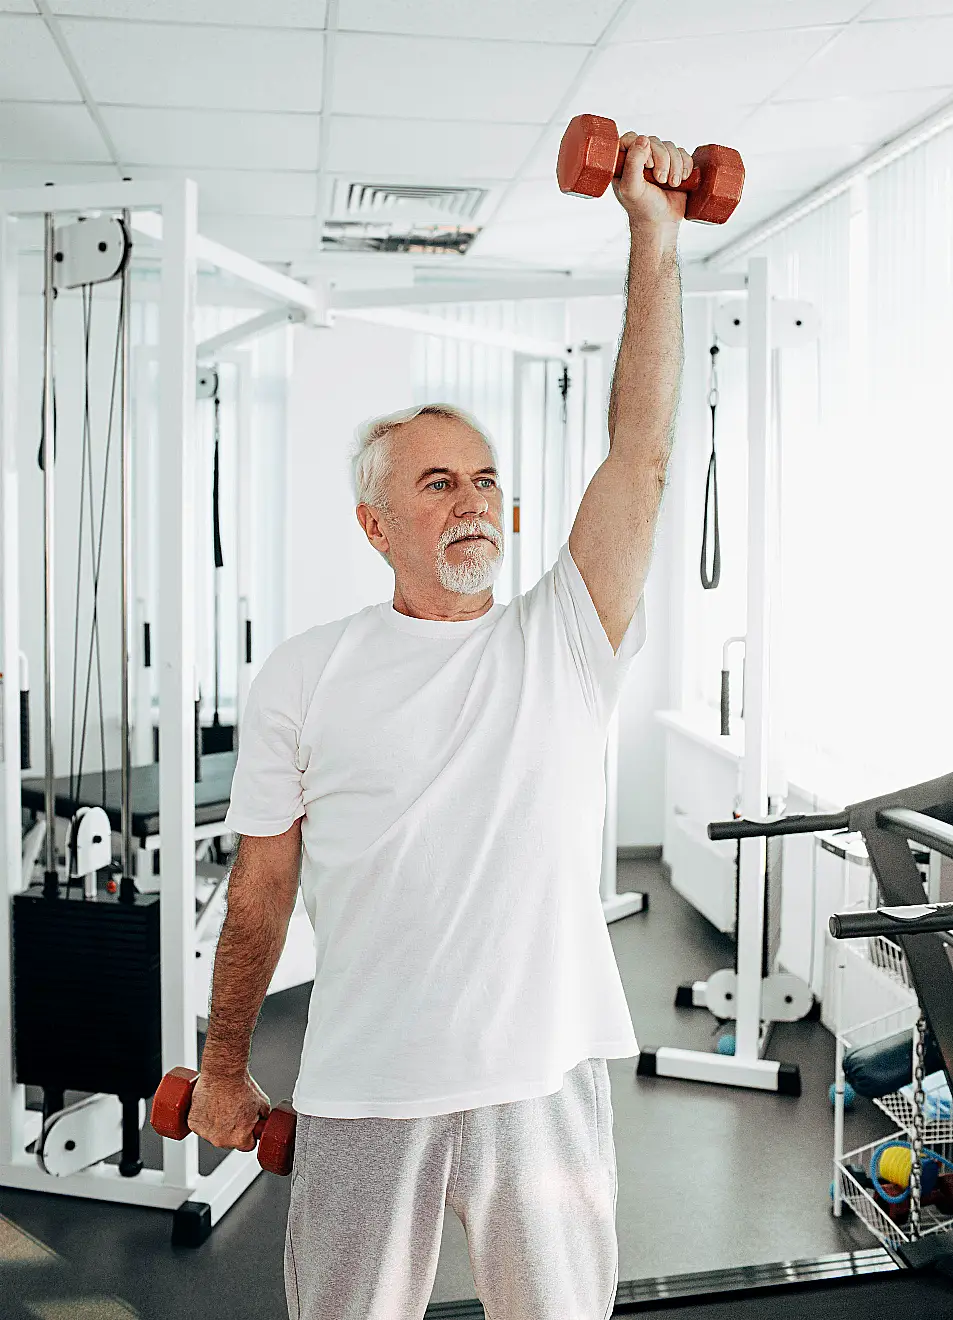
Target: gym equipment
point(275, 1134)
point(106, 985)
point(890, 825)
point(218, 737)
point(920, 814)
point(754, 993)
point(892, 1163)
point(85, 971)
point(590, 157)
point(911, 919)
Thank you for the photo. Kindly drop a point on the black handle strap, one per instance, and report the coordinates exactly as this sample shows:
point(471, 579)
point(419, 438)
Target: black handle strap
point(216, 522)
point(709, 582)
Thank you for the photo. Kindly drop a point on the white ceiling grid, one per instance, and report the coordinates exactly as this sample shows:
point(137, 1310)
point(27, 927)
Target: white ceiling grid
point(448, 92)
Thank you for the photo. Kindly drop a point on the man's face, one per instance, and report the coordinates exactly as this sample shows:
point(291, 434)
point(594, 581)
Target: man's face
point(443, 527)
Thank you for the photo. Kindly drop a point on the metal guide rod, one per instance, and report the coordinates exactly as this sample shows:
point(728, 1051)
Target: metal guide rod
point(51, 879)
point(127, 884)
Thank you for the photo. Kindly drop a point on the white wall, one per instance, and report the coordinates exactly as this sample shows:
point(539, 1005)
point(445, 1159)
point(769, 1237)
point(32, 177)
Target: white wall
point(339, 378)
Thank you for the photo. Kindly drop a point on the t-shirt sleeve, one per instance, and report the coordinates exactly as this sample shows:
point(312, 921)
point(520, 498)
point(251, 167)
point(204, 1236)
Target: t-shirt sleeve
point(266, 797)
point(601, 670)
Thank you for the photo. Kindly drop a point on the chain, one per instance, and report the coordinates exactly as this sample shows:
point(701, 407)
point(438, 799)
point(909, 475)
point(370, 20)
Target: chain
point(919, 1100)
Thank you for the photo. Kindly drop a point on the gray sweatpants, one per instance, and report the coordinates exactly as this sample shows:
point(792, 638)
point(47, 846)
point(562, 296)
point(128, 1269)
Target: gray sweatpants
point(533, 1182)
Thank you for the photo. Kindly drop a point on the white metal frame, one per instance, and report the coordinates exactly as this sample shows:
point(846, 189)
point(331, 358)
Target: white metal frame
point(762, 773)
point(167, 213)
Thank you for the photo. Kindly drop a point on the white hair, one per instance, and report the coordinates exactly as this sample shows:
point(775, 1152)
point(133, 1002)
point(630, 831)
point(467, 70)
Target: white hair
point(372, 461)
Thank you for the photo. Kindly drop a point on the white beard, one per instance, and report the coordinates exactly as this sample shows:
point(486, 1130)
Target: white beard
point(480, 566)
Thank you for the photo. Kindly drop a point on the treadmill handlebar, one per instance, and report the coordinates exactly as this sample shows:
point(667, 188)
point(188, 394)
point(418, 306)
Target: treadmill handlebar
point(794, 824)
point(918, 919)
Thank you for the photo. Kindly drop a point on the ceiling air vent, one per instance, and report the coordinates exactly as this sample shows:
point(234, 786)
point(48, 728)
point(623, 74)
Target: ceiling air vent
point(401, 217)
point(416, 202)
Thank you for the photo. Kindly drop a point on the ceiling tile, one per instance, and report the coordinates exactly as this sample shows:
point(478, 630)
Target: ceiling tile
point(660, 19)
point(31, 175)
point(872, 58)
point(541, 203)
point(17, 7)
point(433, 78)
point(267, 239)
point(247, 192)
point(31, 68)
point(836, 121)
point(530, 20)
point(427, 150)
point(190, 138)
point(229, 13)
point(907, 8)
point(798, 171)
point(208, 68)
point(49, 133)
point(694, 72)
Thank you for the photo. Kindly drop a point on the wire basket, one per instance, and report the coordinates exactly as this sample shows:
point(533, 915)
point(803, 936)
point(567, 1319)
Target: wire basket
point(887, 957)
point(899, 1106)
point(858, 1193)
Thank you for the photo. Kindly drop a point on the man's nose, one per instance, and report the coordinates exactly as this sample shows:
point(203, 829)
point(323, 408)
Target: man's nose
point(472, 501)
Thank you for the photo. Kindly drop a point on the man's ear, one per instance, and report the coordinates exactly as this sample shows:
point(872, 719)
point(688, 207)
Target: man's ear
point(367, 517)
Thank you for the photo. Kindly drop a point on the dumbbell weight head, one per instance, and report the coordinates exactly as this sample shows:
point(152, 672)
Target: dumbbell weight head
point(590, 157)
point(276, 1142)
point(171, 1103)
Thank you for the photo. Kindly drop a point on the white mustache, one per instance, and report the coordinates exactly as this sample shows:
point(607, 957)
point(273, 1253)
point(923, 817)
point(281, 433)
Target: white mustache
point(476, 527)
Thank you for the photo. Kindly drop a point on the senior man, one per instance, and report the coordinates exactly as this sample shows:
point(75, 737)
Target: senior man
point(433, 767)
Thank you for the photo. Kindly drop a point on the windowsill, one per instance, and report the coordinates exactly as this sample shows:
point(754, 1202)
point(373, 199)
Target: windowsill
point(816, 779)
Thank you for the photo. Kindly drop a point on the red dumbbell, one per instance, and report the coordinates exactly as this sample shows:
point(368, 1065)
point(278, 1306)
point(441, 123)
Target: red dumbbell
point(275, 1134)
point(590, 157)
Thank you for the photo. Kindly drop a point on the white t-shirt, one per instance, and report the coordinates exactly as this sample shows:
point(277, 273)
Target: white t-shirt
point(451, 781)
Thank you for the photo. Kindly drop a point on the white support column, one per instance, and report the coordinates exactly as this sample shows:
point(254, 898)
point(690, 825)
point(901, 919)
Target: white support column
point(143, 415)
point(245, 538)
point(177, 632)
point(12, 1097)
point(519, 368)
point(754, 786)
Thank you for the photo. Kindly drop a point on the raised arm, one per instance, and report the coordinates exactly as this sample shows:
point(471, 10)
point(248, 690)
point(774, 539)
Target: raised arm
point(614, 532)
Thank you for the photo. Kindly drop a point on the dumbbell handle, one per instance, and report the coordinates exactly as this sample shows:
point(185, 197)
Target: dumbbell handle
point(687, 185)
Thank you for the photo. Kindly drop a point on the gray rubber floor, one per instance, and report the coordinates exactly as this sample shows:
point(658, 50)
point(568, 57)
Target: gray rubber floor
point(709, 1177)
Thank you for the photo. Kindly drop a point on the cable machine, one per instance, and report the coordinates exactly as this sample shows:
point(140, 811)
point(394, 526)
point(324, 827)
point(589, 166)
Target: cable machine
point(755, 993)
point(118, 1021)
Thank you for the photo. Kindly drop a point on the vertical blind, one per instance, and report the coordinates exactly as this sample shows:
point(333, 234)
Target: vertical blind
point(866, 439)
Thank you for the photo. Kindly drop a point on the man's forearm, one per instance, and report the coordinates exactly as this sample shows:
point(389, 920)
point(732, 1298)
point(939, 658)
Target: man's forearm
point(644, 397)
point(249, 947)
